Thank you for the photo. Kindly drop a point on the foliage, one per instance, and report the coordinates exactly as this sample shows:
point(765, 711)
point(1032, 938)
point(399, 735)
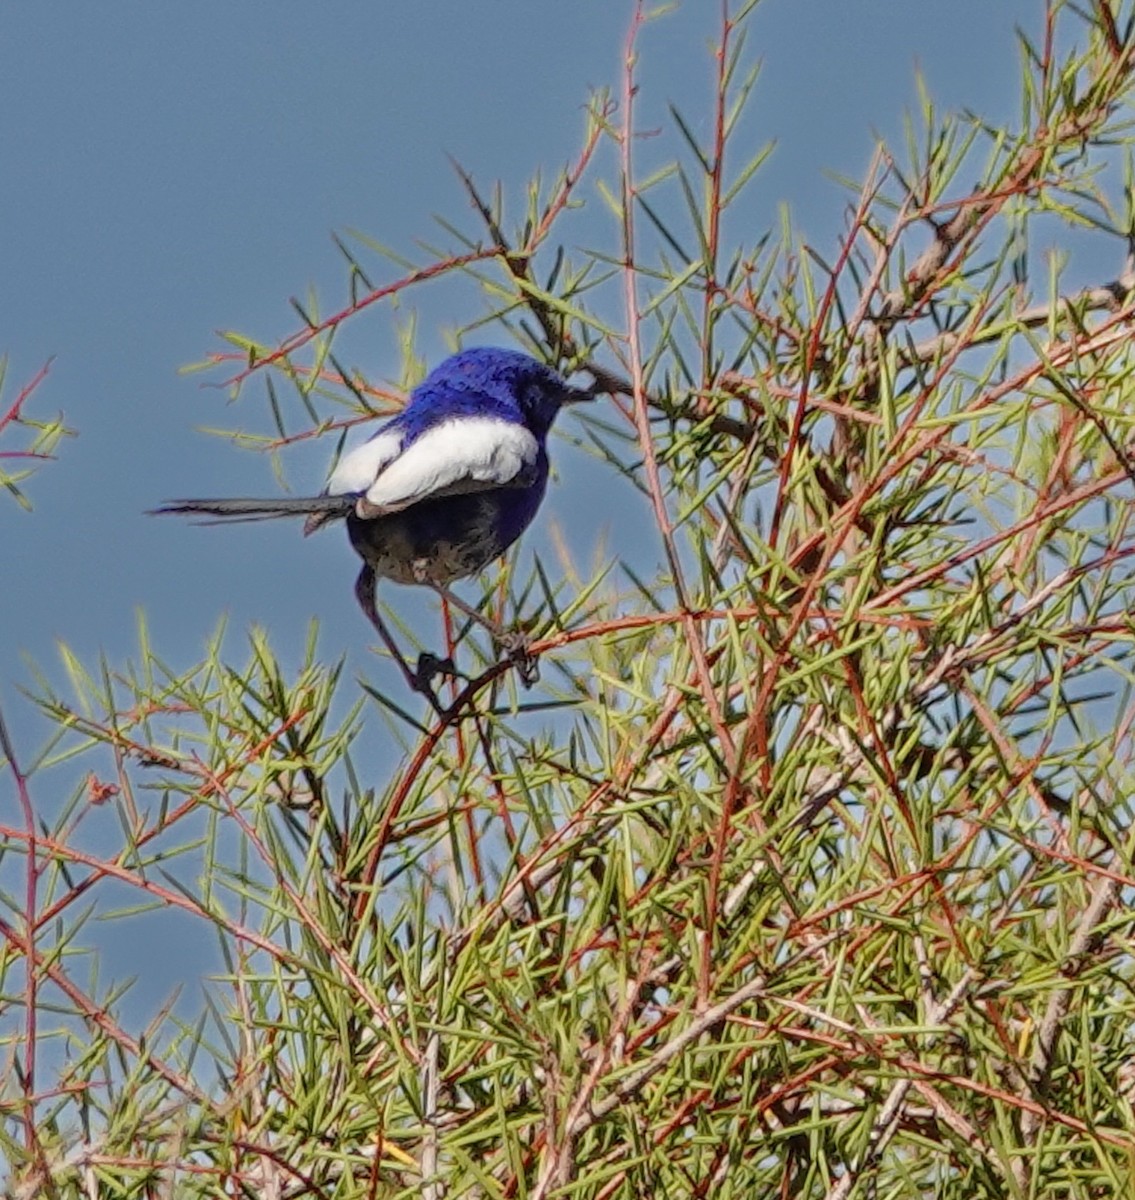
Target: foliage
point(41, 437)
point(807, 869)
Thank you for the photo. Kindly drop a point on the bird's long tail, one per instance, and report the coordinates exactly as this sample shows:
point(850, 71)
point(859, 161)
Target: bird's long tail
point(317, 509)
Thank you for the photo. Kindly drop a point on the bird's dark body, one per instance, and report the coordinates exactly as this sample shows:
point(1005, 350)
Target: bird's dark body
point(452, 537)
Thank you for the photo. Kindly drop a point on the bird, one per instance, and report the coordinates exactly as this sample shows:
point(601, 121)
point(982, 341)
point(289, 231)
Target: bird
point(438, 491)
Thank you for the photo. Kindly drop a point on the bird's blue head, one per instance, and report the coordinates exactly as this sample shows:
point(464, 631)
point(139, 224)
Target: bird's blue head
point(507, 380)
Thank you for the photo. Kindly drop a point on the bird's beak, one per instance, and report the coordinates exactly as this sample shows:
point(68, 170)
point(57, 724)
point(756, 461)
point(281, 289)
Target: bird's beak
point(577, 395)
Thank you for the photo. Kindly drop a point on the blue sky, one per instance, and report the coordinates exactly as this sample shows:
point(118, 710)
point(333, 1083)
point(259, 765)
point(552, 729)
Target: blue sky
point(172, 170)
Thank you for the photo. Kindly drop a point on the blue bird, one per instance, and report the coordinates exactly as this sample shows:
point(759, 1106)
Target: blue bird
point(441, 489)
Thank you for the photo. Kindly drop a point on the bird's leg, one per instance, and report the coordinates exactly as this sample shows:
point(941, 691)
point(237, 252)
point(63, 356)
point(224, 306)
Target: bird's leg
point(513, 642)
point(429, 665)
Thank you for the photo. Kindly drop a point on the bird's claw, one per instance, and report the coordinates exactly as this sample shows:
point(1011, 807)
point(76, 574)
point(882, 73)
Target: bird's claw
point(516, 648)
point(429, 668)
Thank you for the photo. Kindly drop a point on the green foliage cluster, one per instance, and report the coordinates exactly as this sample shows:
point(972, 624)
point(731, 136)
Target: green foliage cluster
point(25, 441)
point(806, 869)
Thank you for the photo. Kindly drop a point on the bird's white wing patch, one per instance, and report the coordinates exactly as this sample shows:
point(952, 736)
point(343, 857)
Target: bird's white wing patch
point(465, 455)
point(358, 469)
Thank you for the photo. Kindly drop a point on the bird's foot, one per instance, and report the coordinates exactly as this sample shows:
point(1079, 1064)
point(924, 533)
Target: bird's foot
point(516, 648)
point(429, 668)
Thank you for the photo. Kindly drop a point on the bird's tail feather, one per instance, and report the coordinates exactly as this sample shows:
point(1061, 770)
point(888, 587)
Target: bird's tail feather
point(317, 509)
